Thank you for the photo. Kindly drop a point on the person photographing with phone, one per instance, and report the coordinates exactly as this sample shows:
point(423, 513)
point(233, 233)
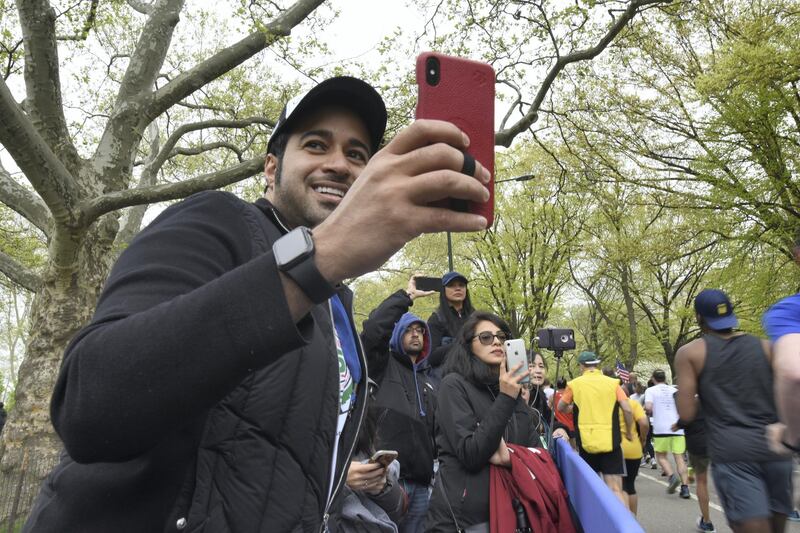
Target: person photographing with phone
point(480, 410)
point(455, 308)
point(397, 345)
point(372, 498)
point(224, 331)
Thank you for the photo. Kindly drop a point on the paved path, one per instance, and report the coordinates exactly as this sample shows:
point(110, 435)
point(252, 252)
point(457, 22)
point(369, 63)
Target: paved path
point(660, 512)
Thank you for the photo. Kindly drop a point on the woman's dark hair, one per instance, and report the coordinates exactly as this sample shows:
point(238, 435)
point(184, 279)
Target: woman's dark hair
point(532, 357)
point(368, 434)
point(460, 358)
point(446, 315)
point(561, 383)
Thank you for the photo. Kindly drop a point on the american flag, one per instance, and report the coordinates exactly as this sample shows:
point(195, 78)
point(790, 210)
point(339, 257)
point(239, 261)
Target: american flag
point(621, 372)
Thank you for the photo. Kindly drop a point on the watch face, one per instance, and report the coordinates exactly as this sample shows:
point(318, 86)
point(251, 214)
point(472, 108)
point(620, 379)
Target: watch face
point(292, 248)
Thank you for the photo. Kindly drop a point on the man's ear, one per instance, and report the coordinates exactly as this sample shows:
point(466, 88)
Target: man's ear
point(270, 173)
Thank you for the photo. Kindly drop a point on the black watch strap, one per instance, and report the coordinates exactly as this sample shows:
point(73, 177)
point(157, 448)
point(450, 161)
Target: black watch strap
point(306, 275)
point(795, 448)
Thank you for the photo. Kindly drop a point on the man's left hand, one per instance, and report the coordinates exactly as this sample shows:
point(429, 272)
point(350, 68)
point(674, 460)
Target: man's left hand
point(775, 433)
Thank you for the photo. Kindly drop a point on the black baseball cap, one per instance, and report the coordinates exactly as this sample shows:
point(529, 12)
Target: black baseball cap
point(353, 93)
point(716, 309)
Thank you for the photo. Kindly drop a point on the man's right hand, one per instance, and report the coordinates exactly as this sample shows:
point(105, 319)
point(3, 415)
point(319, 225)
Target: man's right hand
point(388, 205)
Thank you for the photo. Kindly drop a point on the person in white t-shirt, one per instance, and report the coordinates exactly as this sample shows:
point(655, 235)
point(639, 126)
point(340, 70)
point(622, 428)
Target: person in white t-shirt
point(659, 401)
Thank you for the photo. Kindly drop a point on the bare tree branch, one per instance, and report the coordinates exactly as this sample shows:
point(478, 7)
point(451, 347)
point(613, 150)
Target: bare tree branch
point(167, 150)
point(19, 273)
point(42, 78)
point(124, 129)
point(225, 60)
point(24, 202)
point(91, 17)
point(33, 155)
point(142, 7)
point(173, 191)
point(132, 219)
point(206, 147)
point(506, 136)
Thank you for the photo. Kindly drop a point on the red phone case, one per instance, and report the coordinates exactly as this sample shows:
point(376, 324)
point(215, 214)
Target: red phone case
point(464, 95)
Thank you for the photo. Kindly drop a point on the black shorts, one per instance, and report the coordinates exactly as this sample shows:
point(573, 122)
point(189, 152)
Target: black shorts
point(754, 490)
point(699, 463)
point(608, 463)
point(629, 481)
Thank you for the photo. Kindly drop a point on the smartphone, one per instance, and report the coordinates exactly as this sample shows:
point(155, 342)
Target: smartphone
point(384, 457)
point(516, 354)
point(425, 283)
point(461, 91)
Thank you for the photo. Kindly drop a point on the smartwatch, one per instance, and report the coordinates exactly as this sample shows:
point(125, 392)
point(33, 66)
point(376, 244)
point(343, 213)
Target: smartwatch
point(294, 254)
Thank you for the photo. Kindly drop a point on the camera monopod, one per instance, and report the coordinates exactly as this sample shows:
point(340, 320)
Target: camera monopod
point(558, 340)
point(558, 355)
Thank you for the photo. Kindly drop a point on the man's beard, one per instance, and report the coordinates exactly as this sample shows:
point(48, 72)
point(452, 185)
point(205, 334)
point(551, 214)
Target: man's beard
point(413, 351)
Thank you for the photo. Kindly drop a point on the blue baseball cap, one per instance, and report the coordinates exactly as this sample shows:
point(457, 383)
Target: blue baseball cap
point(716, 309)
point(450, 276)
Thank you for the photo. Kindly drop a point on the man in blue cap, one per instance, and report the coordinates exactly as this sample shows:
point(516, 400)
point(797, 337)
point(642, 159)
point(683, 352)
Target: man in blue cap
point(731, 373)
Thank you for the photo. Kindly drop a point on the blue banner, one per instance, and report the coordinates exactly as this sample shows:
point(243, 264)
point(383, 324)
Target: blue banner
point(596, 507)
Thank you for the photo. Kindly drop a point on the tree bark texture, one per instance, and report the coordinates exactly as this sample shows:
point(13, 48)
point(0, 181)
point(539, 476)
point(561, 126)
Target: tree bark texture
point(63, 304)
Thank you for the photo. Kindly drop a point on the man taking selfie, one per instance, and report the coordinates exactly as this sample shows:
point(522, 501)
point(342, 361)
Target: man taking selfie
point(220, 385)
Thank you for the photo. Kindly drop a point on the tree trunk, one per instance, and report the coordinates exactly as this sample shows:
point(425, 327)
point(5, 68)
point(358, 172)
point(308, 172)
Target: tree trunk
point(64, 303)
point(633, 333)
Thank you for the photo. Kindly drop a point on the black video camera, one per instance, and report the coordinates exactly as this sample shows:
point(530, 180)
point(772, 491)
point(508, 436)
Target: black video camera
point(556, 339)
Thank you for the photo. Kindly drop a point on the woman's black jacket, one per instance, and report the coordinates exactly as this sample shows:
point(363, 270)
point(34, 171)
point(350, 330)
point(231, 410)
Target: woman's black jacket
point(441, 336)
point(471, 419)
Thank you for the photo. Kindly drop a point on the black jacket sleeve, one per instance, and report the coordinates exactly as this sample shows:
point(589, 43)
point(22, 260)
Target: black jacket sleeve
point(188, 311)
point(438, 331)
point(377, 331)
point(392, 498)
point(474, 439)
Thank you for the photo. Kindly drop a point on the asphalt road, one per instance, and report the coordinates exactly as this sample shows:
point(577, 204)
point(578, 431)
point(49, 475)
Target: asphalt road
point(660, 512)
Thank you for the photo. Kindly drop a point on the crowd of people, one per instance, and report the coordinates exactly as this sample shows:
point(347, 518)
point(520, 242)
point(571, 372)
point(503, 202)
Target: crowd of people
point(223, 385)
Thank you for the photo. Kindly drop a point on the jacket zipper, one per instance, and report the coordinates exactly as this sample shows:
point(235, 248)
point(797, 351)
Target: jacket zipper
point(363, 361)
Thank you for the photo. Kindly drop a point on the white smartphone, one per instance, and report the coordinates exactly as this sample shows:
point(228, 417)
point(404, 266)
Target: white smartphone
point(516, 354)
point(384, 457)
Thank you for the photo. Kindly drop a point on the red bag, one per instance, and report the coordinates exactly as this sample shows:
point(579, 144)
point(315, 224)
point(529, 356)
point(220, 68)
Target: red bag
point(533, 480)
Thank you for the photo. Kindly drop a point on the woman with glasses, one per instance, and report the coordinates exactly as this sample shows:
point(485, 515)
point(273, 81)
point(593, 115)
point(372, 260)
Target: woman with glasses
point(479, 410)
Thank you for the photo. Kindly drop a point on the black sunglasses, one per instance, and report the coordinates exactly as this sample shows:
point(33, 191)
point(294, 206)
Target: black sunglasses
point(487, 337)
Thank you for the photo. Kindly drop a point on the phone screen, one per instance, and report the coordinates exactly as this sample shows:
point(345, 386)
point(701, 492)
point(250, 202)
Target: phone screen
point(425, 283)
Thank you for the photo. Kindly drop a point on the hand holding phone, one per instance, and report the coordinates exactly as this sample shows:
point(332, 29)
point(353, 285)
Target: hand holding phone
point(517, 354)
point(383, 457)
point(425, 283)
point(461, 91)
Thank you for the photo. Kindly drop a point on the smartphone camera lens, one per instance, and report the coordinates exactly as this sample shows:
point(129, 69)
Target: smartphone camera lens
point(432, 73)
